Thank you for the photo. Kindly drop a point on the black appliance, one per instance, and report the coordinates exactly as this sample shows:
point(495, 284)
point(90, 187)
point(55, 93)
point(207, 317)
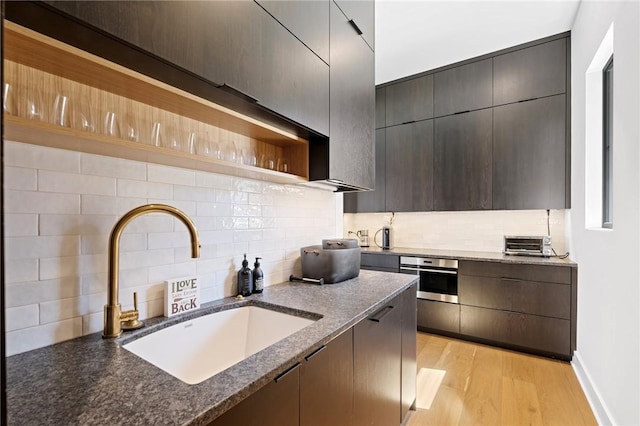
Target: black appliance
point(438, 277)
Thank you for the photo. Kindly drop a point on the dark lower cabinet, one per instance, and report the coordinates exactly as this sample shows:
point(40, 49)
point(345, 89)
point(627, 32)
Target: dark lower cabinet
point(462, 161)
point(529, 149)
point(371, 201)
point(377, 366)
point(276, 404)
point(408, 366)
point(380, 262)
point(409, 178)
point(326, 384)
point(438, 316)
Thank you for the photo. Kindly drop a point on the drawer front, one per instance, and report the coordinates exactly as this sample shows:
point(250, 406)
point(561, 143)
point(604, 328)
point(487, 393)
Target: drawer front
point(528, 331)
point(544, 273)
point(439, 316)
point(386, 262)
point(530, 297)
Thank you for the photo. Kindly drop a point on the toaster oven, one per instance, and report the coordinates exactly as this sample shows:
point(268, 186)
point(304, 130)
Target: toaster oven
point(528, 245)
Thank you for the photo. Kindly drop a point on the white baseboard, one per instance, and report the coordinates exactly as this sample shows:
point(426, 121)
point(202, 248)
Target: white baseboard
point(603, 417)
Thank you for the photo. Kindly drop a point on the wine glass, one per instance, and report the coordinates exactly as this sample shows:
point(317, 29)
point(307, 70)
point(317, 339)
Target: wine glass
point(110, 124)
point(130, 127)
point(9, 105)
point(156, 134)
point(34, 103)
point(84, 115)
point(60, 111)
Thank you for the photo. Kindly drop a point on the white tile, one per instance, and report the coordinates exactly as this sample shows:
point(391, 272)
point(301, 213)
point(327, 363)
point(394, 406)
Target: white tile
point(154, 222)
point(240, 210)
point(134, 188)
point(105, 205)
point(160, 240)
point(93, 323)
point(247, 185)
point(35, 247)
point(231, 197)
point(20, 225)
point(20, 270)
point(142, 259)
point(21, 317)
point(233, 250)
point(212, 180)
point(173, 175)
point(192, 193)
point(161, 273)
point(187, 207)
point(98, 244)
point(40, 157)
point(69, 183)
point(58, 224)
point(36, 337)
point(71, 266)
point(204, 223)
point(25, 293)
point(100, 165)
point(41, 202)
point(62, 309)
point(20, 178)
point(248, 235)
point(97, 283)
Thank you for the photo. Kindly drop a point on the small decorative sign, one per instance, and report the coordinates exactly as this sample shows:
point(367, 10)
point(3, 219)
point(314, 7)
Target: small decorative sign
point(181, 295)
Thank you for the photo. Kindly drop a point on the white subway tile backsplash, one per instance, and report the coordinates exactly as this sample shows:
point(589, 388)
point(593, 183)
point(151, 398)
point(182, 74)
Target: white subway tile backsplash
point(231, 197)
point(160, 240)
point(33, 292)
point(71, 266)
point(42, 158)
point(21, 317)
point(20, 270)
point(98, 244)
point(193, 193)
point(93, 323)
point(246, 185)
point(69, 183)
point(175, 270)
point(71, 224)
point(187, 207)
point(20, 225)
point(41, 202)
point(211, 180)
point(147, 258)
point(43, 335)
point(99, 165)
point(62, 309)
point(20, 179)
point(153, 222)
point(35, 247)
point(240, 210)
point(174, 175)
point(138, 189)
point(104, 205)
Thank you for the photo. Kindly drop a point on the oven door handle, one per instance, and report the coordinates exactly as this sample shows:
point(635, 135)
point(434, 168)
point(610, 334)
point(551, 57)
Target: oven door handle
point(437, 271)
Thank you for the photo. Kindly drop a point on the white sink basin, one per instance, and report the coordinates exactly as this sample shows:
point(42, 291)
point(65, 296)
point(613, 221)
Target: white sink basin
point(195, 350)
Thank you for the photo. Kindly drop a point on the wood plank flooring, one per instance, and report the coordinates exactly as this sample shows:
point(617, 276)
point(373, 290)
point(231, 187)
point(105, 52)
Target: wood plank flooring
point(484, 385)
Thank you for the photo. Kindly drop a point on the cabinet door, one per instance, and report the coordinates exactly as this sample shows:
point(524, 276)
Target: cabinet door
point(530, 73)
point(462, 161)
point(409, 168)
point(409, 366)
point(381, 102)
point(308, 20)
point(362, 13)
point(377, 362)
point(464, 88)
point(441, 316)
point(409, 101)
point(380, 262)
point(371, 201)
point(276, 404)
point(529, 155)
point(352, 99)
point(326, 384)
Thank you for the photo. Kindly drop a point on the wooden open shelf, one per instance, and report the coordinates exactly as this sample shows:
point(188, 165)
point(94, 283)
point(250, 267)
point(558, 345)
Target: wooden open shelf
point(32, 59)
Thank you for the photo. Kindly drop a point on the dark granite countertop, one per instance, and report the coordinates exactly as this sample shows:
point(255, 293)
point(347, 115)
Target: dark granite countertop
point(91, 381)
point(474, 255)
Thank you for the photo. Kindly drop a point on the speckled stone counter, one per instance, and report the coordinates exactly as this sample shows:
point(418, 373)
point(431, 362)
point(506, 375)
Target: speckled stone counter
point(474, 255)
point(91, 381)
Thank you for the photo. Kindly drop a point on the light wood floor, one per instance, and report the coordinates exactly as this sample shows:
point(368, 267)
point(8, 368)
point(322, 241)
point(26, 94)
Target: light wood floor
point(491, 386)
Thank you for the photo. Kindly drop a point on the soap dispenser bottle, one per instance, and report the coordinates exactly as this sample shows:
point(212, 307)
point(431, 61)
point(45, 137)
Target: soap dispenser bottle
point(258, 277)
point(245, 279)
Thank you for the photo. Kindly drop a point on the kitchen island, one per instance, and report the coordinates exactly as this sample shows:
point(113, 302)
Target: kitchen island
point(90, 380)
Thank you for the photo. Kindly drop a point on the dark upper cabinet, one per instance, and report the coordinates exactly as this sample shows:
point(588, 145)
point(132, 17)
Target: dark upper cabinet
point(464, 88)
point(362, 13)
point(529, 154)
point(352, 101)
point(462, 161)
point(380, 107)
point(233, 44)
point(326, 384)
point(410, 100)
point(307, 20)
point(409, 167)
point(371, 201)
point(530, 73)
point(277, 403)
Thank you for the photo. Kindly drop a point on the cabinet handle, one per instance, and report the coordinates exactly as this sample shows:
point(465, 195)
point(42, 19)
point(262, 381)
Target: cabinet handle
point(510, 279)
point(355, 26)
point(408, 122)
point(462, 112)
point(527, 100)
point(314, 353)
point(281, 376)
point(377, 317)
point(239, 93)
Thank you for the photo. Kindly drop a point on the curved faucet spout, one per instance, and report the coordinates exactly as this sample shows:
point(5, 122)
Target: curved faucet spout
point(112, 312)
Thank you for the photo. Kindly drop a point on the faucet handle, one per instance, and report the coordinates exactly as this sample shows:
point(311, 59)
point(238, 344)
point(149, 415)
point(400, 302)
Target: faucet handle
point(135, 301)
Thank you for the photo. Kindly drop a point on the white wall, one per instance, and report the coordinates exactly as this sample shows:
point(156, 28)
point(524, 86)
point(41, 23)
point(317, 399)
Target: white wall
point(608, 355)
point(473, 231)
point(61, 205)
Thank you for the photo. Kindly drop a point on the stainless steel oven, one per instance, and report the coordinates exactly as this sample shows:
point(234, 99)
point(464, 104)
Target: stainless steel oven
point(438, 277)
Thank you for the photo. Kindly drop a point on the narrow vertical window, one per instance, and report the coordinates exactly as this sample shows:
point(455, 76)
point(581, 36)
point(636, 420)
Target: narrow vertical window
point(607, 144)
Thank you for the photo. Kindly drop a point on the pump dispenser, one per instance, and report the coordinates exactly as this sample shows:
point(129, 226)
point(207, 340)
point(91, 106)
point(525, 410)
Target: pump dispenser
point(245, 278)
point(258, 277)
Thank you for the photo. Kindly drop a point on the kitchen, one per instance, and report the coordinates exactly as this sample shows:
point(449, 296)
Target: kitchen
point(61, 204)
